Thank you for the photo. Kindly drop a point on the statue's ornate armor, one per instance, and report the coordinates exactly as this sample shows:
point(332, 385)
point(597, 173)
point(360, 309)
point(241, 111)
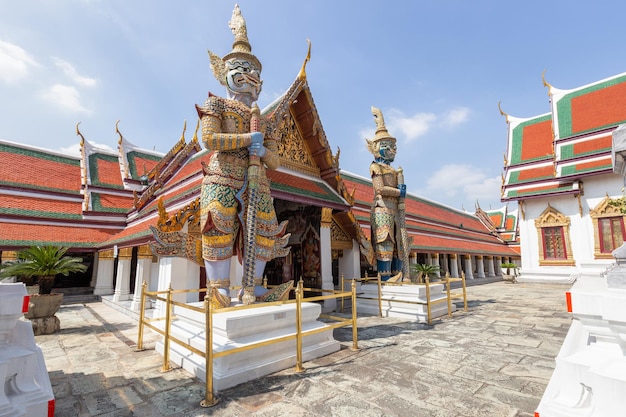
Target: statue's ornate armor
point(223, 199)
point(384, 210)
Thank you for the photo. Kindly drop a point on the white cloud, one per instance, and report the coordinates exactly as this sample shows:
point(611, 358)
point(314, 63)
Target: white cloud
point(456, 116)
point(409, 128)
point(69, 70)
point(74, 150)
point(15, 62)
point(465, 180)
point(65, 96)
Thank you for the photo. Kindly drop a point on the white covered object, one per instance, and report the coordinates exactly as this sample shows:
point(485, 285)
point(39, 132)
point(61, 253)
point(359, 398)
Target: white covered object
point(25, 389)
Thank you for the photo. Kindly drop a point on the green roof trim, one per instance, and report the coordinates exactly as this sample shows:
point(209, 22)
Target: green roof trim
point(132, 155)
point(96, 205)
point(93, 169)
point(564, 108)
point(37, 187)
point(17, 242)
point(39, 154)
point(40, 214)
point(328, 196)
point(567, 152)
point(514, 178)
point(517, 140)
point(571, 169)
point(519, 194)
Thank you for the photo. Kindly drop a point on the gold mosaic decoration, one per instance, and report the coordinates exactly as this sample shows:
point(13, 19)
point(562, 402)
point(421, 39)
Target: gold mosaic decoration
point(292, 148)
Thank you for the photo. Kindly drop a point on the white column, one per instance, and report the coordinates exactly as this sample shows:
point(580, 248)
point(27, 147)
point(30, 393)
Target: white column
point(480, 266)
point(350, 265)
point(104, 276)
point(143, 273)
point(490, 270)
point(434, 259)
point(454, 270)
point(498, 262)
point(180, 274)
point(326, 256)
point(469, 274)
point(122, 283)
point(94, 270)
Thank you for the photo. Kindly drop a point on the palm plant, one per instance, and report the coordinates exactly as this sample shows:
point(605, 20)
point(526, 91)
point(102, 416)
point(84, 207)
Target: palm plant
point(426, 269)
point(43, 263)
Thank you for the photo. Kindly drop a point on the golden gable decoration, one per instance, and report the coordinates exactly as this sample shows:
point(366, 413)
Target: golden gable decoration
point(551, 217)
point(606, 208)
point(292, 149)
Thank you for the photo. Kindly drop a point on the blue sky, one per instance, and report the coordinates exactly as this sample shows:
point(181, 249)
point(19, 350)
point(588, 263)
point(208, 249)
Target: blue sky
point(437, 70)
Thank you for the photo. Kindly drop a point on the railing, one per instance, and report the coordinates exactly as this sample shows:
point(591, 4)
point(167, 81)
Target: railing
point(209, 310)
point(447, 281)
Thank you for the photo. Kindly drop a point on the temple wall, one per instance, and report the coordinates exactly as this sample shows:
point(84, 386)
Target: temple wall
point(581, 231)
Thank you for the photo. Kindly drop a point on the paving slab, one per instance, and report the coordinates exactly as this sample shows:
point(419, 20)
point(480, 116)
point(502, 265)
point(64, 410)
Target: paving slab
point(496, 360)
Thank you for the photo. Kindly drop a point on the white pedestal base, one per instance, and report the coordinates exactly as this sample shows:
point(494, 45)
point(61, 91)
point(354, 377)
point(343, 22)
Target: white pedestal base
point(403, 301)
point(589, 378)
point(25, 388)
point(235, 329)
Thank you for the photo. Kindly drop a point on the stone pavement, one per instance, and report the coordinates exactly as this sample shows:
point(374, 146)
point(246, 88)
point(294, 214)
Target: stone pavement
point(494, 360)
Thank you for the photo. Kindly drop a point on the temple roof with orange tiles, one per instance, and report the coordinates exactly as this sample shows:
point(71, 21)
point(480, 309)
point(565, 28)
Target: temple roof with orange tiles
point(551, 153)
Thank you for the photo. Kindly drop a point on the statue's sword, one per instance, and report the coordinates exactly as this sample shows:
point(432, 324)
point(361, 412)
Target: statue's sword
point(404, 237)
point(249, 259)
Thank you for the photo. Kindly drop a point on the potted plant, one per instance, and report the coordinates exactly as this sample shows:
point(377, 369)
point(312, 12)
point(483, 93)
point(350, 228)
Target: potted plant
point(43, 263)
point(426, 269)
point(508, 266)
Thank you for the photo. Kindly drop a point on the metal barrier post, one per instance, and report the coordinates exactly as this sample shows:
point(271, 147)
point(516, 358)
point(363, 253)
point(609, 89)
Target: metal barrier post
point(355, 339)
point(166, 333)
point(142, 316)
point(380, 295)
point(343, 288)
point(209, 399)
point(448, 295)
point(299, 290)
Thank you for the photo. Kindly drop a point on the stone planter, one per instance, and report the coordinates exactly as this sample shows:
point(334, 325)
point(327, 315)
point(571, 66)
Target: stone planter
point(41, 312)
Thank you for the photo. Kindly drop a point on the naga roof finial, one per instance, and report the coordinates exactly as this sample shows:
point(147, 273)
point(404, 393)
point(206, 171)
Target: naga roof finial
point(506, 116)
point(82, 138)
point(302, 73)
point(117, 130)
point(545, 83)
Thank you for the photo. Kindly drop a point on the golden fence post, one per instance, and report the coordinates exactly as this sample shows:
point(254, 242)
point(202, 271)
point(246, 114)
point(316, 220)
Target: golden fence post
point(166, 333)
point(299, 291)
point(355, 339)
point(464, 294)
point(142, 316)
point(427, 282)
point(448, 295)
point(209, 399)
point(342, 289)
point(380, 295)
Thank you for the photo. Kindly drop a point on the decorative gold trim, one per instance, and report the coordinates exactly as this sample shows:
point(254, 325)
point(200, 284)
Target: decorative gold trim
point(105, 254)
point(144, 252)
point(327, 217)
point(603, 209)
point(551, 217)
point(125, 253)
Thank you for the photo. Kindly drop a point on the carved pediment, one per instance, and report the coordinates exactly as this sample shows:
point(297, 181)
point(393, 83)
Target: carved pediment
point(292, 148)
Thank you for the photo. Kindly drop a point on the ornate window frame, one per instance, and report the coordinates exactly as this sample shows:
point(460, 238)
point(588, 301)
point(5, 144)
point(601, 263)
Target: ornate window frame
point(603, 209)
point(551, 217)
